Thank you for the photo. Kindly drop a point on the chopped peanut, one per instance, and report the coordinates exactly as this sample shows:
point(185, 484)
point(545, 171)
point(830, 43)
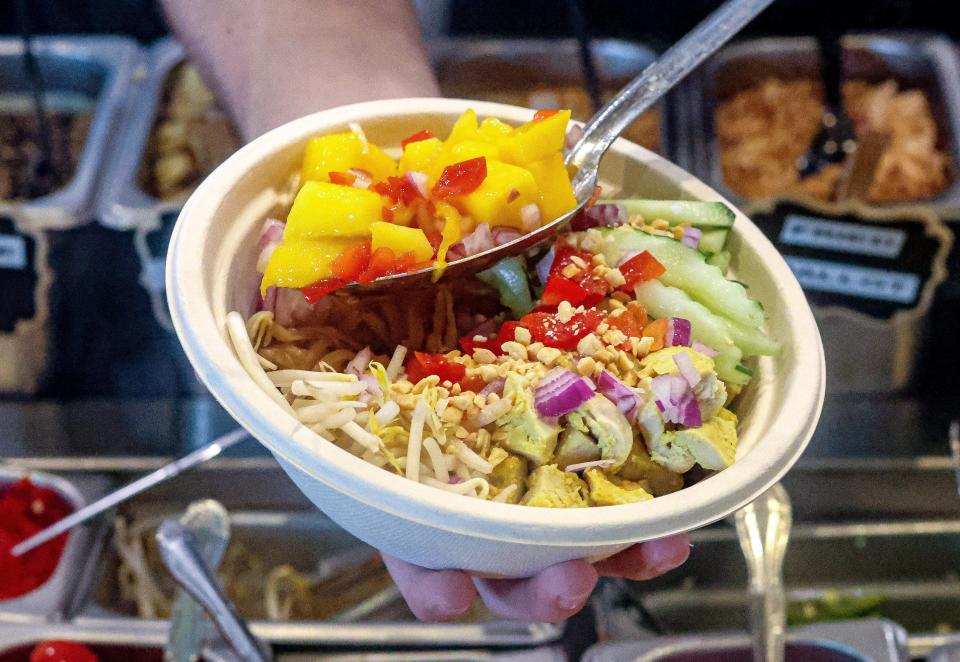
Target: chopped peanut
point(522, 335)
point(614, 278)
point(565, 312)
point(548, 356)
point(577, 260)
point(586, 366)
point(589, 345)
point(484, 355)
point(614, 337)
point(571, 271)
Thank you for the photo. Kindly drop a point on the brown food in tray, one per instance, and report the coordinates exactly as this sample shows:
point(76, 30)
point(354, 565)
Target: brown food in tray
point(191, 137)
point(19, 147)
point(763, 130)
point(644, 131)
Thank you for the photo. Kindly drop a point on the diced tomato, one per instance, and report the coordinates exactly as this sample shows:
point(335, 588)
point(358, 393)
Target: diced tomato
point(641, 267)
point(631, 322)
point(417, 137)
point(380, 263)
point(657, 329)
point(469, 345)
point(474, 383)
point(388, 214)
point(564, 254)
point(344, 178)
point(352, 262)
point(544, 113)
point(423, 365)
point(549, 330)
point(507, 333)
point(400, 190)
point(461, 178)
point(316, 291)
point(595, 287)
point(560, 289)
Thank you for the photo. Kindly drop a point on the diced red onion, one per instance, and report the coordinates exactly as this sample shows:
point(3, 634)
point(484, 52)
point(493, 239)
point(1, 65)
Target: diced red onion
point(271, 233)
point(581, 466)
point(544, 266)
point(678, 332)
point(419, 181)
point(456, 252)
point(686, 368)
point(599, 215)
point(358, 364)
point(454, 479)
point(291, 307)
point(479, 240)
point(704, 349)
point(503, 235)
point(561, 391)
point(691, 237)
point(371, 388)
point(574, 134)
point(626, 400)
point(269, 300)
point(363, 179)
point(496, 386)
point(676, 400)
point(264, 257)
point(530, 217)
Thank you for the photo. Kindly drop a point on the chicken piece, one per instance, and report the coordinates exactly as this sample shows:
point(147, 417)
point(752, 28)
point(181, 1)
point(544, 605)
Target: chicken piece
point(613, 491)
point(527, 433)
point(713, 445)
point(641, 468)
point(607, 425)
point(549, 487)
point(511, 471)
point(661, 362)
point(576, 445)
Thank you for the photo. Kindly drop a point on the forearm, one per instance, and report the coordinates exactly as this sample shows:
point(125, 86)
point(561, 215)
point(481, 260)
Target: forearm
point(274, 60)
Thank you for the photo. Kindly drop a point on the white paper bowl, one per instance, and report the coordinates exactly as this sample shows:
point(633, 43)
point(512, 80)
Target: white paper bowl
point(210, 271)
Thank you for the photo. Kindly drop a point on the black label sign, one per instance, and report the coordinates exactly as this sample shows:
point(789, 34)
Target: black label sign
point(18, 276)
point(876, 268)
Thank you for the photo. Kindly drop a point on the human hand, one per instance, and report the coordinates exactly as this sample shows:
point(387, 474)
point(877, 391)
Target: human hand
point(553, 595)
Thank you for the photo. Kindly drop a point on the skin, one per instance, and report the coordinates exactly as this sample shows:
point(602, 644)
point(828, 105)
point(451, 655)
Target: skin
point(272, 61)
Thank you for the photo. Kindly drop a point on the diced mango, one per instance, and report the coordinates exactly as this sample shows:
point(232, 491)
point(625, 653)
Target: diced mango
point(449, 235)
point(338, 152)
point(495, 202)
point(554, 183)
point(465, 128)
point(420, 155)
point(493, 130)
point(401, 240)
point(535, 140)
point(299, 262)
point(322, 209)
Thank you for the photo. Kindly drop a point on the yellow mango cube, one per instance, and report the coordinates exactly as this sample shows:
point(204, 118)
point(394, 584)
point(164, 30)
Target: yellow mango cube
point(401, 240)
point(465, 128)
point(420, 155)
point(493, 130)
point(553, 180)
point(299, 262)
point(338, 152)
point(322, 209)
point(499, 199)
point(535, 140)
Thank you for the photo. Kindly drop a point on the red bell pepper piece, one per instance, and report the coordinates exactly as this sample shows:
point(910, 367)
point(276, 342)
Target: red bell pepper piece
point(316, 291)
point(549, 330)
point(352, 262)
point(343, 178)
point(640, 268)
point(423, 365)
point(544, 113)
point(416, 137)
point(461, 178)
point(560, 289)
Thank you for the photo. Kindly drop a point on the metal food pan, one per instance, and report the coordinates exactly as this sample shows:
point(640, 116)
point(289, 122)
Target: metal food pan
point(499, 69)
point(917, 61)
point(81, 74)
point(306, 541)
point(53, 598)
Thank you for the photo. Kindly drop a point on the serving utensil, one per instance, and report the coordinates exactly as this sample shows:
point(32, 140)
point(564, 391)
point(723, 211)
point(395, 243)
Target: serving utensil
point(599, 133)
point(166, 472)
point(178, 550)
point(763, 529)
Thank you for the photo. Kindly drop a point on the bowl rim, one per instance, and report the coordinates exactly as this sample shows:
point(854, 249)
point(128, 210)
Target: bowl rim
point(193, 311)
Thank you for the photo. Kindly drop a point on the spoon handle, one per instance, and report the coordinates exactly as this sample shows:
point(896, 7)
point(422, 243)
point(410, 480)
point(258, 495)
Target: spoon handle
point(644, 90)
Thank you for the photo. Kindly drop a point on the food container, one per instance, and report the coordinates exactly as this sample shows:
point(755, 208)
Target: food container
point(86, 80)
point(546, 73)
point(870, 275)
point(853, 641)
point(130, 199)
point(924, 62)
point(54, 597)
point(211, 272)
point(357, 599)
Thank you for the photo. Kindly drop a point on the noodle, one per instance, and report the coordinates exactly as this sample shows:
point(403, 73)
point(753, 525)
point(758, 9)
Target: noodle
point(413, 443)
point(436, 459)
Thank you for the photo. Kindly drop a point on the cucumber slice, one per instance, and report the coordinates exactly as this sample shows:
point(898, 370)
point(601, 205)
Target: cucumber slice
point(720, 260)
point(713, 240)
point(751, 341)
point(700, 214)
point(688, 270)
point(707, 327)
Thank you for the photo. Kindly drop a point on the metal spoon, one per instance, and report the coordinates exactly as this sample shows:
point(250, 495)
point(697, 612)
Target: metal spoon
point(763, 528)
point(600, 132)
point(178, 550)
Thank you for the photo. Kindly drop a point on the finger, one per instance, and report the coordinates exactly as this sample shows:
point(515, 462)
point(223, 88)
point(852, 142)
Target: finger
point(432, 595)
point(557, 593)
point(648, 559)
